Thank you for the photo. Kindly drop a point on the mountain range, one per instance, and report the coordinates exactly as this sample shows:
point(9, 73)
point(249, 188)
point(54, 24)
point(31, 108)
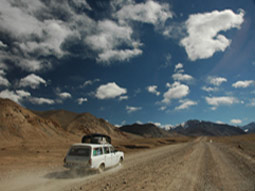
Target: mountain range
point(77, 123)
point(18, 124)
point(145, 130)
point(249, 128)
point(205, 128)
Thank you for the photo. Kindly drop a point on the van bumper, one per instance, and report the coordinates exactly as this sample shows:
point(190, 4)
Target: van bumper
point(76, 166)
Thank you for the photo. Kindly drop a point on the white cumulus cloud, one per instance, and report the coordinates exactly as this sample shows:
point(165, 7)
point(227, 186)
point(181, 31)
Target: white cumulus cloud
point(175, 91)
point(3, 80)
point(217, 81)
point(82, 3)
point(162, 108)
point(118, 55)
point(17, 96)
point(178, 66)
point(185, 104)
point(203, 29)
point(2, 45)
point(220, 122)
point(243, 84)
point(90, 82)
point(236, 121)
point(34, 30)
point(37, 31)
point(40, 31)
point(210, 89)
point(41, 101)
point(251, 103)
point(218, 101)
point(182, 77)
point(149, 12)
point(179, 74)
point(153, 89)
point(131, 109)
point(125, 97)
point(32, 81)
point(23, 93)
point(109, 90)
point(11, 95)
point(81, 100)
point(64, 95)
point(107, 39)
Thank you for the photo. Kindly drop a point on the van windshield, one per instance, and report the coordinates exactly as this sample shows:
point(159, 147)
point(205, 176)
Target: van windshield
point(80, 151)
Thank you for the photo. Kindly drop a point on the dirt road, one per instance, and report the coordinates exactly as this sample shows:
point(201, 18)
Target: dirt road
point(198, 165)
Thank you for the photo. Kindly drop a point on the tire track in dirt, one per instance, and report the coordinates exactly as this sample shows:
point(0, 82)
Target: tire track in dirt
point(188, 174)
point(209, 179)
point(234, 174)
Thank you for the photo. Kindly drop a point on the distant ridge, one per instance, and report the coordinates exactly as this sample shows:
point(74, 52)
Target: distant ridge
point(249, 128)
point(205, 128)
point(145, 130)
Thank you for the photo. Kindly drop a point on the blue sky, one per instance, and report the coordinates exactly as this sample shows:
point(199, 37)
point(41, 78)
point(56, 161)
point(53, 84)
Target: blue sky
point(131, 61)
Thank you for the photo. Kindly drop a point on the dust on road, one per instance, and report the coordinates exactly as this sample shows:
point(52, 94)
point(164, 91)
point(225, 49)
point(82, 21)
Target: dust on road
point(197, 165)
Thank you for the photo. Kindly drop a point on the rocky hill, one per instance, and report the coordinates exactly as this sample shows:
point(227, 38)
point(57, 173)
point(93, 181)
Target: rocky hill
point(80, 124)
point(20, 124)
point(145, 130)
point(205, 128)
point(62, 117)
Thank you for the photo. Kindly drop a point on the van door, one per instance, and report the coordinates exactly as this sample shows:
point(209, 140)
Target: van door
point(108, 156)
point(98, 157)
point(114, 156)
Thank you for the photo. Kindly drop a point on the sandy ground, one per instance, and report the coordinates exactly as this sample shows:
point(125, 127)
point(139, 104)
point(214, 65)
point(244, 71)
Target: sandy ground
point(197, 165)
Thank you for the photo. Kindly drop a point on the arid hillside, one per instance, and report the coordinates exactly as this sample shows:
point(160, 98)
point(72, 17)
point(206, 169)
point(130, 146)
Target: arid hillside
point(84, 123)
point(19, 124)
point(62, 117)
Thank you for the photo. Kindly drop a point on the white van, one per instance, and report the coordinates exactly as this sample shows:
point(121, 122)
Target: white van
point(92, 156)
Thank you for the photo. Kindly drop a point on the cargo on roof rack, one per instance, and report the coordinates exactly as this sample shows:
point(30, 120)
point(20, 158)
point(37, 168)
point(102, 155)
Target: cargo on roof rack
point(96, 139)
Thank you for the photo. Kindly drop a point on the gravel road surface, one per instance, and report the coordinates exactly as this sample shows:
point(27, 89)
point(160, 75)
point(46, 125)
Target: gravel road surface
point(198, 165)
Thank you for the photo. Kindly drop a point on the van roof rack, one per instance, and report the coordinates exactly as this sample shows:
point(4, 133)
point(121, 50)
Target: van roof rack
point(96, 138)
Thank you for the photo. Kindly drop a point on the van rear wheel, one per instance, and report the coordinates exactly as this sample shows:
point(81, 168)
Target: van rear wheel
point(121, 160)
point(101, 168)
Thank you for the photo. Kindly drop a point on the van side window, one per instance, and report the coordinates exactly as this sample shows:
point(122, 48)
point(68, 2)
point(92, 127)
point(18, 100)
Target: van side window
point(97, 151)
point(106, 150)
point(112, 149)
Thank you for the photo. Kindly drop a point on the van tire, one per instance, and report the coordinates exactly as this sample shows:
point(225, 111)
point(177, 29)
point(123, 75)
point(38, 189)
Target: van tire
point(101, 168)
point(121, 160)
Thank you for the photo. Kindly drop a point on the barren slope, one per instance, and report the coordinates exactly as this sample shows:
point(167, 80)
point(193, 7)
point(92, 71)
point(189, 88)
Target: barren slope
point(19, 124)
point(62, 117)
point(83, 123)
